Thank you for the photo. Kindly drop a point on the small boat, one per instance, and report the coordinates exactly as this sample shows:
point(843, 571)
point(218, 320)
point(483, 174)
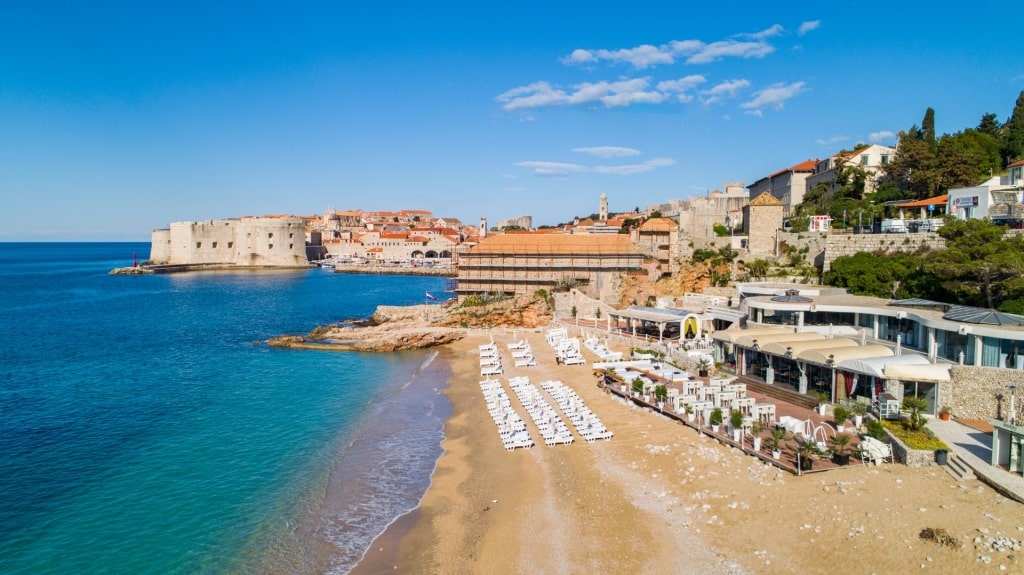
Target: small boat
point(326, 265)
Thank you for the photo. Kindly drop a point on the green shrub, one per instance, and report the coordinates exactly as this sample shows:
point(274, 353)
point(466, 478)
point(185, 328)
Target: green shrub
point(877, 430)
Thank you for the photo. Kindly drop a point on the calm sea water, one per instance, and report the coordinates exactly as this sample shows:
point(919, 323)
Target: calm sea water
point(145, 427)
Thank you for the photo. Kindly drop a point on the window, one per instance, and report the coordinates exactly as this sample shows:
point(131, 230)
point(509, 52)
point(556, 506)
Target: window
point(214, 245)
point(864, 160)
point(270, 246)
point(885, 158)
point(270, 235)
point(231, 245)
point(199, 245)
point(291, 246)
point(290, 235)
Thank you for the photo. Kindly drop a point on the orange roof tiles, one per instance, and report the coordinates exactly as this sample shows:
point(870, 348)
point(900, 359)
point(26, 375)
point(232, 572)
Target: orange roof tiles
point(658, 225)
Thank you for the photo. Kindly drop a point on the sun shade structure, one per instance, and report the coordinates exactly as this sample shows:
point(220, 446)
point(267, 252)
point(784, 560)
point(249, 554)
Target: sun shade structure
point(982, 316)
point(835, 356)
point(936, 372)
point(731, 335)
point(876, 366)
point(794, 348)
point(762, 339)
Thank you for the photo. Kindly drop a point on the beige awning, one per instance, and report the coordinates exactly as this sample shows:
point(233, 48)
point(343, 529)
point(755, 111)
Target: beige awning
point(931, 372)
point(840, 354)
point(764, 339)
point(793, 348)
point(730, 335)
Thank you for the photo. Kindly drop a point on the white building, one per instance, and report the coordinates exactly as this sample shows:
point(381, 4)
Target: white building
point(259, 241)
point(998, 198)
point(870, 159)
point(787, 185)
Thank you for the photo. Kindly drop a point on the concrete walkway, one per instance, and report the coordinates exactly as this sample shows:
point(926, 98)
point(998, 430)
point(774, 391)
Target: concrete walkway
point(974, 448)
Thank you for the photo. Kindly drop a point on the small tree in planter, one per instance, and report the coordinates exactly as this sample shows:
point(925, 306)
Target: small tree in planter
point(841, 415)
point(638, 386)
point(703, 366)
point(805, 449)
point(841, 448)
point(945, 412)
point(756, 428)
point(689, 412)
point(661, 394)
point(778, 437)
point(716, 419)
point(736, 421)
point(915, 405)
point(859, 409)
point(822, 398)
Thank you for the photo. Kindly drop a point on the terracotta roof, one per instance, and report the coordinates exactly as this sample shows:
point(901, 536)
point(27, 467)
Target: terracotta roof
point(765, 199)
point(1015, 164)
point(936, 201)
point(556, 243)
point(658, 225)
point(804, 166)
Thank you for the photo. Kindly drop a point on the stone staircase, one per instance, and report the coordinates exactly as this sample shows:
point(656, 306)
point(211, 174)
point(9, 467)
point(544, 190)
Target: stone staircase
point(958, 469)
point(781, 393)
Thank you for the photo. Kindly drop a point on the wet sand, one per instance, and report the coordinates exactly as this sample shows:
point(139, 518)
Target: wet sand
point(659, 498)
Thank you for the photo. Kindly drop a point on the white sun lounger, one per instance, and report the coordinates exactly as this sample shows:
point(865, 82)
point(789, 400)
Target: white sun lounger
point(491, 370)
point(526, 362)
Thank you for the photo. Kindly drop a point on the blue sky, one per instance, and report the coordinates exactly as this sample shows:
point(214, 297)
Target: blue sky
point(117, 118)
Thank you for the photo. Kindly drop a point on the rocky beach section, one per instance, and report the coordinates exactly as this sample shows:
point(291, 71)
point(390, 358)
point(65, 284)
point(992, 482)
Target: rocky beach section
point(396, 328)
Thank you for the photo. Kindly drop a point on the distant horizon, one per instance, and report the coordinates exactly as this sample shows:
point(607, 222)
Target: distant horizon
point(123, 118)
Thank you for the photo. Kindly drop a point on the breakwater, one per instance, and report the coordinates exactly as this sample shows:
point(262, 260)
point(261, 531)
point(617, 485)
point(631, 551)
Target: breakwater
point(395, 271)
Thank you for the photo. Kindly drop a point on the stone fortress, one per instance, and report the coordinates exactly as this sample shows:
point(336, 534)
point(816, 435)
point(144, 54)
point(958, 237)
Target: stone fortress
point(242, 242)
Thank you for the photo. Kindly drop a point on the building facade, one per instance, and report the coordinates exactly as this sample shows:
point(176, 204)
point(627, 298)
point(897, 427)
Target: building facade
point(788, 185)
point(256, 241)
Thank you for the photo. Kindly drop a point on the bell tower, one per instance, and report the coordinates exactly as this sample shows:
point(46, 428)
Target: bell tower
point(603, 208)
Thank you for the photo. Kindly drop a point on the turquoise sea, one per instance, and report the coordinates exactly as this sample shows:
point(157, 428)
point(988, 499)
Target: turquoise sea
point(146, 428)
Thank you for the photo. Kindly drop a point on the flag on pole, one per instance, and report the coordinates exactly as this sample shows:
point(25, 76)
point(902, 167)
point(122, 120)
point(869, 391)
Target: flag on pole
point(431, 296)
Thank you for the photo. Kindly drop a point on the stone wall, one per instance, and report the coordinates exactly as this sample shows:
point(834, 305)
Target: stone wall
point(838, 245)
point(982, 392)
point(242, 242)
point(910, 457)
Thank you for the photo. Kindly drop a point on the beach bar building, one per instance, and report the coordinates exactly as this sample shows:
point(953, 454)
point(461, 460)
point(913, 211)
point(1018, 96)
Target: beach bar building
point(854, 348)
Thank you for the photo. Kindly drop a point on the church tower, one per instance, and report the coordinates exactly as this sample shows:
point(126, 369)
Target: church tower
point(483, 227)
point(603, 209)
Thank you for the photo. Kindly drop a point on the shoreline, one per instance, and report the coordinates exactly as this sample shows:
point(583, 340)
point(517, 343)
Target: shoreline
point(658, 498)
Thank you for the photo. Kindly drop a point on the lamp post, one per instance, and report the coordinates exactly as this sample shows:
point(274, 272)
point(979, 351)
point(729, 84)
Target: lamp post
point(872, 216)
point(1012, 419)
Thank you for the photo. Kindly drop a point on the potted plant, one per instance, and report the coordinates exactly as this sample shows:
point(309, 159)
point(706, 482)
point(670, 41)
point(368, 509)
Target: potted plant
point(638, 386)
point(805, 449)
point(945, 412)
point(841, 415)
point(703, 366)
point(822, 398)
point(841, 448)
point(756, 428)
point(736, 422)
point(778, 437)
point(661, 394)
point(716, 419)
point(689, 412)
point(859, 409)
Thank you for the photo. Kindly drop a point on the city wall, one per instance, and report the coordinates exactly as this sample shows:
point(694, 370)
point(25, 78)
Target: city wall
point(247, 242)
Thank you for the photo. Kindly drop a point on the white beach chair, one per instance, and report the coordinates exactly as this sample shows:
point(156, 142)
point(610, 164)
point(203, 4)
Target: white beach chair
point(528, 361)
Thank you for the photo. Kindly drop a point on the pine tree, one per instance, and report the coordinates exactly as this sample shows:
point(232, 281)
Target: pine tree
point(989, 124)
point(1013, 131)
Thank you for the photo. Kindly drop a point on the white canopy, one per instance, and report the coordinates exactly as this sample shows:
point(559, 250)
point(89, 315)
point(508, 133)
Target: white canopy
point(938, 372)
point(794, 348)
point(730, 335)
point(842, 354)
point(747, 340)
point(876, 365)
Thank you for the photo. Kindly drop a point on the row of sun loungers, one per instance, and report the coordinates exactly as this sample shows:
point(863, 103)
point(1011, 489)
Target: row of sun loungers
point(551, 426)
point(511, 427)
point(490, 360)
point(587, 424)
point(522, 355)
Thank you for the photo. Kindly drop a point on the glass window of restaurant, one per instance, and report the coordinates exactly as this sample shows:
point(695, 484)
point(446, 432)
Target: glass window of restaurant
point(780, 317)
point(907, 329)
point(951, 344)
point(923, 389)
point(828, 318)
point(727, 356)
point(786, 371)
point(997, 352)
point(819, 378)
point(757, 363)
point(866, 320)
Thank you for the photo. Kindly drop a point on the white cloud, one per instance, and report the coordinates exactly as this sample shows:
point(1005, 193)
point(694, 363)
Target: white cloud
point(808, 26)
point(552, 169)
point(775, 30)
point(621, 93)
point(725, 89)
point(635, 168)
point(755, 113)
point(773, 97)
point(831, 141)
point(883, 136)
point(532, 96)
point(682, 84)
point(726, 48)
point(608, 151)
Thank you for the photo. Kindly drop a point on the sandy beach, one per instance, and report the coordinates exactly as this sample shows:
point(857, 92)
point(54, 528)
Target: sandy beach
point(660, 498)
